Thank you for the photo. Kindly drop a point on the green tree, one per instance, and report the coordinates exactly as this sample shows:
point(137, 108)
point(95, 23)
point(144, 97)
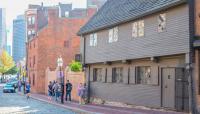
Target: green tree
point(12, 71)
point(75, 66)
point(6, 62)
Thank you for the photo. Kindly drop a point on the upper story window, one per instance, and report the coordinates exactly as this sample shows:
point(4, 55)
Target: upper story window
point(33, 20)
point(93, 39)
point(29, 20)
point(29, 32)
point(117, 75)
point(138, 29)
point(161, 22)
point(113, 35)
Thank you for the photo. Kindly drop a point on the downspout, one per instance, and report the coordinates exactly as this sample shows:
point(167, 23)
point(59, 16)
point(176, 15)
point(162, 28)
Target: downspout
point(84, 64)
point(192, 97)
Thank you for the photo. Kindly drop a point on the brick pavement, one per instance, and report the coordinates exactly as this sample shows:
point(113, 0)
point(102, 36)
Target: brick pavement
point(102, 109)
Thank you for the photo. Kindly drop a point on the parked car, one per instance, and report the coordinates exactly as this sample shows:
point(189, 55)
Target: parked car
point(8, 88)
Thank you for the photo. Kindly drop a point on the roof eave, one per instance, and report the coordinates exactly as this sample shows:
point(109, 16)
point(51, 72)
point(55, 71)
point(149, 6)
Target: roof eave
point(80, 33)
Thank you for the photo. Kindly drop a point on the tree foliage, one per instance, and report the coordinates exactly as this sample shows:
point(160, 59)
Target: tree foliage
point(6, 62)
point(13, 70)
point(75, 66)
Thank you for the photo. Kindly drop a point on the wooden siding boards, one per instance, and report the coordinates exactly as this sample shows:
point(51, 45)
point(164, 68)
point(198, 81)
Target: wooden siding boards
point(175, 40)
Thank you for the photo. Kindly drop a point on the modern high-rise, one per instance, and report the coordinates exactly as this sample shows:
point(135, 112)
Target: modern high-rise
point(19, 38)
point(2, 27)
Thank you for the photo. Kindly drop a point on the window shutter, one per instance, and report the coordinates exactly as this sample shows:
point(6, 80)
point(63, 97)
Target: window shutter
point(110, 35)
point(132, 77)
point(109, 74)
point(125, 74)
point(134, 30)
point(154, 75)
point(91, 74)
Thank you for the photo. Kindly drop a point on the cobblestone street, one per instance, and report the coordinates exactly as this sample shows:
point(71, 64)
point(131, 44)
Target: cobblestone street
point(13, 103)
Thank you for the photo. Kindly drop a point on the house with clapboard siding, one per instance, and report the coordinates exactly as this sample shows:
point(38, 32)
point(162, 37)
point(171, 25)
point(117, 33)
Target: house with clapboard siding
point(138, 52)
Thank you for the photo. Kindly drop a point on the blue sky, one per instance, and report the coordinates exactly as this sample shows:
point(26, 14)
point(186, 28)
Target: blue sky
point(17, 7)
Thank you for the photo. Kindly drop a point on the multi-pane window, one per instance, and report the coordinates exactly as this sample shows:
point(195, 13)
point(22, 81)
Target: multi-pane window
point(117, 75)
point(113, 35)
point(97, 74)
point(29, 20)
point(161, 22)
point(93, 39)
point(138, 29)
point(143, 75)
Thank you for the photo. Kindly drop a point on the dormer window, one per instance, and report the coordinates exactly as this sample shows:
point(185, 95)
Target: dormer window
point(93, 39)
point(113, 35)
point(161, 22)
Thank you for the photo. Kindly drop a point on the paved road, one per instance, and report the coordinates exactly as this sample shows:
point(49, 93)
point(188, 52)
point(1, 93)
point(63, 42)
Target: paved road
point(12, 103)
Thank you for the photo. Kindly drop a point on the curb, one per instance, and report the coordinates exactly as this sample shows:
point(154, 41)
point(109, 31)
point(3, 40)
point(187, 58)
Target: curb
point(76, 110)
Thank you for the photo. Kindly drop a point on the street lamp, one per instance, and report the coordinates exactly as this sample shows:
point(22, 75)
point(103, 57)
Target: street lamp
point(60, 64)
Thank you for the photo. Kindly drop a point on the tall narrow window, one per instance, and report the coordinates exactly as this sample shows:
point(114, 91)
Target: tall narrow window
point(141, 28)
point(33, 20)
point(135, 30)
point(33, 79)
point(29, 21)
point(161, 22)
point(93, 39)
point(113, 35)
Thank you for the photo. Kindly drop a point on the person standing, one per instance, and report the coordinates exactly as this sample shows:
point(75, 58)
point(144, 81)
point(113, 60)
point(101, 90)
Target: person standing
point(28, 88)
point(50, 90)
point(68, 90)
point(56, 90)
point(80, 92)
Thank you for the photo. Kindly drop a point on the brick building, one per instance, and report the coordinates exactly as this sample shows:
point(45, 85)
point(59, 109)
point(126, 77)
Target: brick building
point(57, 38)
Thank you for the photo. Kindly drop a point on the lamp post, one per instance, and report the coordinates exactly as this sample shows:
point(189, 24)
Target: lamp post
point(60, 64)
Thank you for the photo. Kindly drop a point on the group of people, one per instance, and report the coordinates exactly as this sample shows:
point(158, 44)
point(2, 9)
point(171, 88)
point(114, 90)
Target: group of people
point(55, 90)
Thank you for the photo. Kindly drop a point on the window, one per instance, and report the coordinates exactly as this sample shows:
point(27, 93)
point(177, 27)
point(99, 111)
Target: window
point(33, 79)
point(161, 22)
point(117, 75)
point(66, 14)
point(138, 29)
point(93, 39)
point(113, 35)
point(29, 20)
point(97, 74)
point(33, 32)
point(143, 75)
point(66, 44)
point(33, 60)
point(141, 28)
point(33, 20)
point(29, 32)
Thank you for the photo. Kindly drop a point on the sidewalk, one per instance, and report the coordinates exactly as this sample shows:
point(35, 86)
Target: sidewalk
point(100, 109)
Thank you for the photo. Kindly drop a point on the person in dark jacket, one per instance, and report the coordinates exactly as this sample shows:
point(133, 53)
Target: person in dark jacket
point(68, 90)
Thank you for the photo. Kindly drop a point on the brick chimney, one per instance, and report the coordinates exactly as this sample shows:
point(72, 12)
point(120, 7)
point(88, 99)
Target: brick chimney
point(53, 15)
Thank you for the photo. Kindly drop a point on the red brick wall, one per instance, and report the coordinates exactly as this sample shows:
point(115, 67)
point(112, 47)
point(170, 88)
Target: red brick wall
point(57, 38)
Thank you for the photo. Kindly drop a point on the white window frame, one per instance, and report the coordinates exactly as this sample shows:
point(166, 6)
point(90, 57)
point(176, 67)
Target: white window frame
point(138, 29)
point(93, 39)
point(162, 23)
point(113, 34)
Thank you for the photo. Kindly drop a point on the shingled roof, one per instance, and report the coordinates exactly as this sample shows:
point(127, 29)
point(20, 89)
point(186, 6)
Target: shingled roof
point(114, 12)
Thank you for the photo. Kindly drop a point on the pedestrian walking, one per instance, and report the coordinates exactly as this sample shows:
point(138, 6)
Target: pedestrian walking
point(19, 85)
point(85, 93)
point(68, 90)
point(50, 90)
point(53, 91)
point(28, 88)
point(80, 92)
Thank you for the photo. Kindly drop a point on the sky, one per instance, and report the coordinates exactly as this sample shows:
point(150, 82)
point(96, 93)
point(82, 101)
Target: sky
point(18, 7)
